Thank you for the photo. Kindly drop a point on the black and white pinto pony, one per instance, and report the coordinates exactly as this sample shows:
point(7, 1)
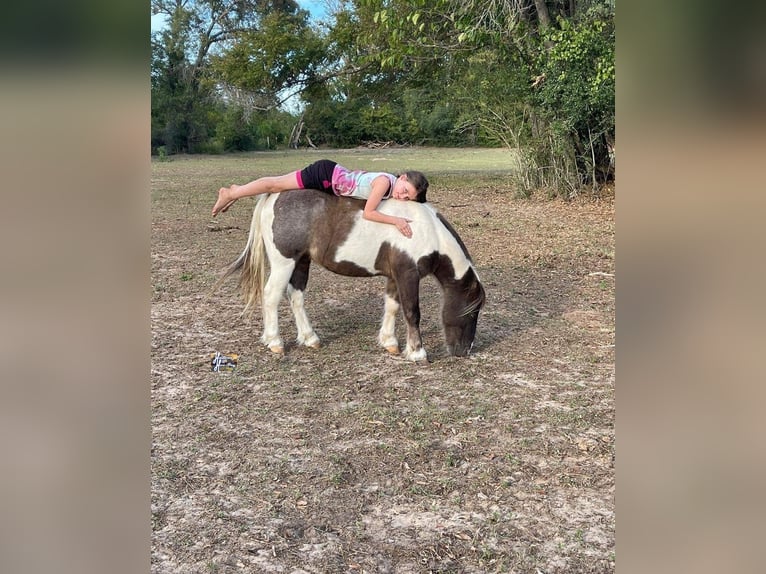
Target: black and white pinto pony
point(294, 228)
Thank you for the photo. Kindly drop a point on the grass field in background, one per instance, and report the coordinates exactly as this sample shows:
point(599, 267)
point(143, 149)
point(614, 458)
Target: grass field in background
point(469, 168)
point(426, 159)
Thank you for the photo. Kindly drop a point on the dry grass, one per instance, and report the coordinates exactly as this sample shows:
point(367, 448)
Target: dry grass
point(343, 459)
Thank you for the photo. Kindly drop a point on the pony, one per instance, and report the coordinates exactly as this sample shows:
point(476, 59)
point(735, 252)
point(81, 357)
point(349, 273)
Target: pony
point(291, 229)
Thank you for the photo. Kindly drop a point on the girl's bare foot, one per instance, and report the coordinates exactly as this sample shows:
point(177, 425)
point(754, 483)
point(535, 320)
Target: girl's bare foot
point(224, 200)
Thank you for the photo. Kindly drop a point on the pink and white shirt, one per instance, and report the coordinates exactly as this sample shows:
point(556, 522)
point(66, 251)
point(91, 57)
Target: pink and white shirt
point(357, 183)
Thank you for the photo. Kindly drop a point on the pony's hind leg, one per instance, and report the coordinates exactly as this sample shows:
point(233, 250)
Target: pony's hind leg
point(281, 271)
point(306, 334)
point(387, 334)
point(298, 281)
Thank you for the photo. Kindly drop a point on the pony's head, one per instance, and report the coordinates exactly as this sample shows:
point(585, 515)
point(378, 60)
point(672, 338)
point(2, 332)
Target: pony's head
point(462, 302)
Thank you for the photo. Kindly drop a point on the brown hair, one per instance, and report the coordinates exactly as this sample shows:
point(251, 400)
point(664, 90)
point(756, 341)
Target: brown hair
point(420, 183)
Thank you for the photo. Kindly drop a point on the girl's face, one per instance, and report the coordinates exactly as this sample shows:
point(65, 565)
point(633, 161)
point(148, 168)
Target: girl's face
point(403, 189)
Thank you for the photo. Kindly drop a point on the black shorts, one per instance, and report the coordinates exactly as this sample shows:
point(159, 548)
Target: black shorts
point(318, 175)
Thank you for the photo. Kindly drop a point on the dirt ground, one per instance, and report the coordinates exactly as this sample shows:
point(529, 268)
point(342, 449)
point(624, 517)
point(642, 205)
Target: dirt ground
point(345, 459)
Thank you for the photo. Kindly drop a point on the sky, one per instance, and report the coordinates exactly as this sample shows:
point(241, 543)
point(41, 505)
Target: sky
point(158, 22)
point(317, 8)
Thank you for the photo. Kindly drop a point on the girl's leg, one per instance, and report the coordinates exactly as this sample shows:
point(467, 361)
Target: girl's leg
point(228, 195)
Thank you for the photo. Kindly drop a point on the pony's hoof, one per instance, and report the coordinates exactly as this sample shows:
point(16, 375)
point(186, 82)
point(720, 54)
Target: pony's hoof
point(418, 356)
point(393, 349)
point(314, 344)
point(277, 350)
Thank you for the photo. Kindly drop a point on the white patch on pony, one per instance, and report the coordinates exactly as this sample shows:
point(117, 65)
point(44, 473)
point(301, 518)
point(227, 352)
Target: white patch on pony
point(428, 235)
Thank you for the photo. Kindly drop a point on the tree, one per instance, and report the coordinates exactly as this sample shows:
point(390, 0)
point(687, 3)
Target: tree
point(219, 53)
point(264, 66)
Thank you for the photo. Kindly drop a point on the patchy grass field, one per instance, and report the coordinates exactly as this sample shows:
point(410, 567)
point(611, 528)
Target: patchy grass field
point(345, 459)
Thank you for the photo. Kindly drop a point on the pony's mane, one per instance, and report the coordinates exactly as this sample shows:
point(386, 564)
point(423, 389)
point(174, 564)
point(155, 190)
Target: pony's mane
point(454, 234)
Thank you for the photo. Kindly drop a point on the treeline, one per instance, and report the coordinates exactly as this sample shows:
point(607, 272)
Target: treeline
point(533, 75)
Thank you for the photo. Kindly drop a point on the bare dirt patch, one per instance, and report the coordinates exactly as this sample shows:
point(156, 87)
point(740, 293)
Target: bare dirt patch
point(344, 459)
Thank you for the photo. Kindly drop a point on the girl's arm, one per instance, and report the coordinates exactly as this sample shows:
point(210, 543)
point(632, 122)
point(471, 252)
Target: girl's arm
point(380, 186)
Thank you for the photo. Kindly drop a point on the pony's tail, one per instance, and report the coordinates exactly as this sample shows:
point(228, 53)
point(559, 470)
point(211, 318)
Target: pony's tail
point(251, 263)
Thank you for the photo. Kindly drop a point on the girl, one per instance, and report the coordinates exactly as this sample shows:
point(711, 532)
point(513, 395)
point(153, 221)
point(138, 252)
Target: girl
point(331, 177)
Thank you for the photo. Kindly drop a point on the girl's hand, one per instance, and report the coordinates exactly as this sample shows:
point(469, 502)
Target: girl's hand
point(403, 225)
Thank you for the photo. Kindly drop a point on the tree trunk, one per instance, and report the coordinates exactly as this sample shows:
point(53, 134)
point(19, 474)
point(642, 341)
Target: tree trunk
point(295, 136)
point(544, 18)
point(542, 14)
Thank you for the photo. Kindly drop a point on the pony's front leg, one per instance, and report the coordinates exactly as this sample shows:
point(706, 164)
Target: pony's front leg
point(281, 270)
point(409, 293)
point(387, 334)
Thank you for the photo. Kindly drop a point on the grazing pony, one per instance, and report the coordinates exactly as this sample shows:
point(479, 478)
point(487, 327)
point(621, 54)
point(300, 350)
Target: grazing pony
point(294, 228)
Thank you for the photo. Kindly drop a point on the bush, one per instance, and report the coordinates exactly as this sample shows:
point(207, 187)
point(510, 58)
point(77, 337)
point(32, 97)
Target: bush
point(162, 153)
point(576, 96)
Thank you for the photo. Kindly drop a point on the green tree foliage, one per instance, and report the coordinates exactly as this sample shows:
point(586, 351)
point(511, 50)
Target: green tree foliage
point(531, 74)
point(379, 92)
point(179, 119)
point(273, 61)
point(575, 95)
point(219, 70)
